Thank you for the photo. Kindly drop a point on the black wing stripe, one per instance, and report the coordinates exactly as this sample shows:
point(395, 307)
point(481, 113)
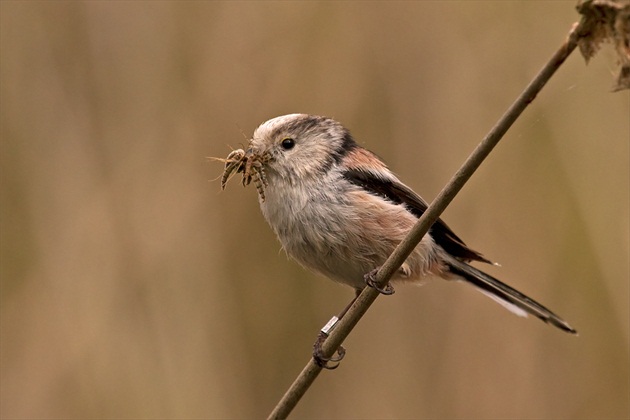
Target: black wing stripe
point(398, 193)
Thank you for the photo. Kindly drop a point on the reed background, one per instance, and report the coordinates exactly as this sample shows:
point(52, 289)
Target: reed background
point(133, 288)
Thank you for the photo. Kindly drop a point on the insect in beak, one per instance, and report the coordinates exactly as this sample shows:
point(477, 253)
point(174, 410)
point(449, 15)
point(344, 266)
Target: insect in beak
point(251, 164)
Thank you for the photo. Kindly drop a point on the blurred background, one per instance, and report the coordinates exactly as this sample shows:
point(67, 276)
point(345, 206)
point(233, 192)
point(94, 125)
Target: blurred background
point(133, 288)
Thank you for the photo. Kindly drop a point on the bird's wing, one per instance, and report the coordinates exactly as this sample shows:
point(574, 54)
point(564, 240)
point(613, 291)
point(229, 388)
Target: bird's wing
point(397, 192)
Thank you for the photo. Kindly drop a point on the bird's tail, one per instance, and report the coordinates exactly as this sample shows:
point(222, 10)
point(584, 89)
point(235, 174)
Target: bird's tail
point(505, 295)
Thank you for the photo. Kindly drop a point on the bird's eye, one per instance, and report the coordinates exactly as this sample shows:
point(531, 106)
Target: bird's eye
point(288, 143)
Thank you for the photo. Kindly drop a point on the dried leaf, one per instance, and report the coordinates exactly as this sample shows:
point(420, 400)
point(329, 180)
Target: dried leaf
point(607, 20)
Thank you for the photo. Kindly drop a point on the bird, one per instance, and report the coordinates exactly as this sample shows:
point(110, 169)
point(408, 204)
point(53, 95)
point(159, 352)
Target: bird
point(338, 210)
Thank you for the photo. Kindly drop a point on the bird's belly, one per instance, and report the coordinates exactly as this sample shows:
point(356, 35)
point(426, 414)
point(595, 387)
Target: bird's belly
point(343, 241)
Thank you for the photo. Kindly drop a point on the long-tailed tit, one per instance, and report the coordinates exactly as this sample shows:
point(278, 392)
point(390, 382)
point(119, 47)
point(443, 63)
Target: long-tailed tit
point(338, 210)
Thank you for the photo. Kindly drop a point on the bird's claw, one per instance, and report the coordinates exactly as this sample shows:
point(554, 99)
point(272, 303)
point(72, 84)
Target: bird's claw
point(322, 361)
point(370, 280)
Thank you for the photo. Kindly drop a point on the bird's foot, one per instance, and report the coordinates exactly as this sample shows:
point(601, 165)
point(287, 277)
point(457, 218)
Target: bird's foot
point(370, 280)
point(331, 362)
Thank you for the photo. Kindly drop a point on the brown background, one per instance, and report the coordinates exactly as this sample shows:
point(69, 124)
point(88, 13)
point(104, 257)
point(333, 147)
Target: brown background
point(131, 287)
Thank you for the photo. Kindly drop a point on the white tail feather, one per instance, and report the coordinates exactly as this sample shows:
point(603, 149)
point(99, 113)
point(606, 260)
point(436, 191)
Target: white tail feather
point(507, 305)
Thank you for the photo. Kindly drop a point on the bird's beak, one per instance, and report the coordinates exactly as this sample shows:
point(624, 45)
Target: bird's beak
point(249, 154)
